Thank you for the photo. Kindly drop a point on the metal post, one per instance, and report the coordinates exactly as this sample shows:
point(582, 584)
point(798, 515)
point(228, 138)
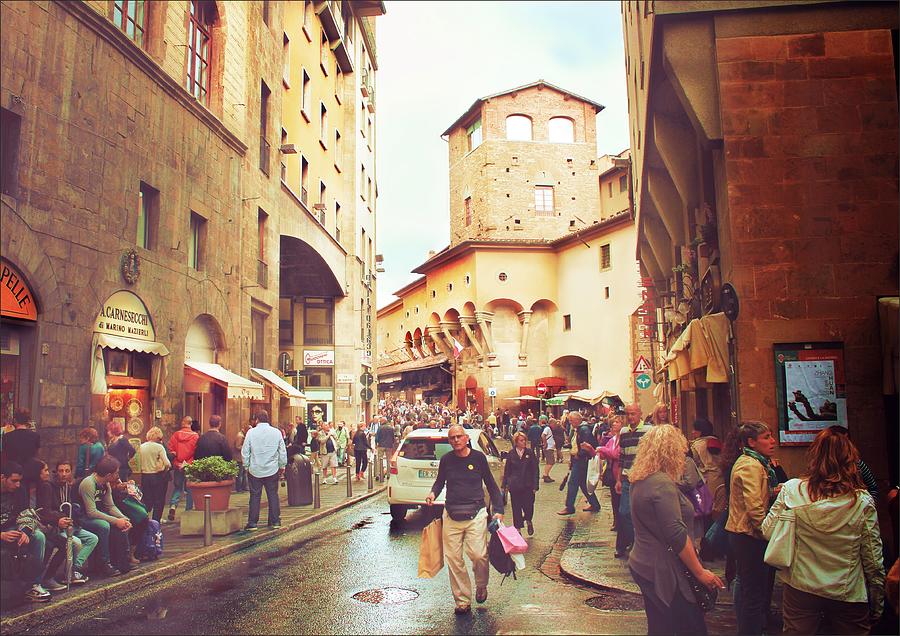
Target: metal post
point(207, 520)
point(349, 482)
point(379, 466)
point(317, 501)
point(371, 476)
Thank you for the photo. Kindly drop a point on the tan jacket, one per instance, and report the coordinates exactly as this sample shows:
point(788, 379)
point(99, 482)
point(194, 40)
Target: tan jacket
point(709, 467)
point(749, 500)
point(837, 549)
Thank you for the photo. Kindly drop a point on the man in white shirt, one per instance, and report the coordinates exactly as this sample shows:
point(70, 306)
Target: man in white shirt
point(549, 445)
point(265, 457)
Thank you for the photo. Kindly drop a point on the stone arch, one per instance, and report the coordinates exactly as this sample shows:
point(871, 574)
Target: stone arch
point(573, 368)
point(468, 310)
point(20, 245)
point(451, 315)
point(497, 302)
point(434, 320)
point(204, 340)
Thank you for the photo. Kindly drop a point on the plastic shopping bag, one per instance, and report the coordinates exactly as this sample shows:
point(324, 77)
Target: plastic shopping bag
point(512, 540)
point(519, 560)
point(431, 550)
point(593, 474)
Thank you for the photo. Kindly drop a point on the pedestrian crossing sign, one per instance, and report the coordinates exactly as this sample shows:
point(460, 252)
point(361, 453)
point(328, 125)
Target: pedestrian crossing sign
point(642, 365)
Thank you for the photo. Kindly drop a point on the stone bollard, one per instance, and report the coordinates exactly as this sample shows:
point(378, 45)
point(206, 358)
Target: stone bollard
point(349, 482)
point(317, 499)
point(371, 476)
point(207, 520)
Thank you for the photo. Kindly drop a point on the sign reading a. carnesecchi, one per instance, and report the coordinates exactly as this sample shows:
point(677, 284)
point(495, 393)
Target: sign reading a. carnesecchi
point(124, 314)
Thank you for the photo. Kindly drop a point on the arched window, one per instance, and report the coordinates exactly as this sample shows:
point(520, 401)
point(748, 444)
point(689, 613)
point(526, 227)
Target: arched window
point(518, 128)
point(562, 130)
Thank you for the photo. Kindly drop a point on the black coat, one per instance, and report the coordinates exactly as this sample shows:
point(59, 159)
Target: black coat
point(520, 473)
point(212, 443)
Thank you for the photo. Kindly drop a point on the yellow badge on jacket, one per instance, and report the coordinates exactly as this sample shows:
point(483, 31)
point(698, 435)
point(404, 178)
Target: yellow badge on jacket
point(471, 467)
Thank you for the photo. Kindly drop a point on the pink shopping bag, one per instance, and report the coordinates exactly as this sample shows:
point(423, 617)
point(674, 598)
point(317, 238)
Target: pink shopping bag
point(513, 542)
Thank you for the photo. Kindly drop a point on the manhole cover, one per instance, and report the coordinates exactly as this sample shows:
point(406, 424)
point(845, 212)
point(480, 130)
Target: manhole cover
point(621, 602)
point(386, 596)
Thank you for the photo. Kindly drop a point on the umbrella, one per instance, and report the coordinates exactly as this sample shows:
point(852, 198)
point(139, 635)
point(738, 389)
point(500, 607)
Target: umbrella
point(69, 545)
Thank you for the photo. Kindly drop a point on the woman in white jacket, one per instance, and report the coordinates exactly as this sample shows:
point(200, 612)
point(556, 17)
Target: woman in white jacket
point(836, 572)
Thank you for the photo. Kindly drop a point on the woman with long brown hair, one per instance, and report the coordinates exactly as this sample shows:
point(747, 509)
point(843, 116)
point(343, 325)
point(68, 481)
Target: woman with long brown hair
point(836, 572)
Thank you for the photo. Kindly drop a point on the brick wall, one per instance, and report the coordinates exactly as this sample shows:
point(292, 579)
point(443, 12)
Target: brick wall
point(811, 136)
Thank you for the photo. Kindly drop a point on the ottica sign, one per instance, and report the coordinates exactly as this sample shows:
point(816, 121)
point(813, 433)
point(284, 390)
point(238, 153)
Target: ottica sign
point(318, 358)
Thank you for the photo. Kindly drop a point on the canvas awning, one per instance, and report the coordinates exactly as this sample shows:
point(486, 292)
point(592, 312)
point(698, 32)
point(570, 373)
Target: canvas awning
point(703, 344)
point(158, 367)
point(237, 386)
point(131, 344)
point(591, 396)
point(412, 365)
point(295, 396)
point(524, 398)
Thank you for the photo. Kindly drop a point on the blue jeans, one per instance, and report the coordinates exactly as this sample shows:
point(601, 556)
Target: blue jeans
point(35, 549)
point(83, 543)
point(100, 529)
point(240, 482)
point(178, 487)
point(624, 525)
point(578, 479)
point(257, 484)
point(112, 543)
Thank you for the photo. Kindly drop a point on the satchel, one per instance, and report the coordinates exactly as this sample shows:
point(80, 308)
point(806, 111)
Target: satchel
point(780, 549)
point(705, 597)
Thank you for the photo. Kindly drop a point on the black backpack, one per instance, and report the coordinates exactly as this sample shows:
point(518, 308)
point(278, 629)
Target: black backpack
point(498, 557)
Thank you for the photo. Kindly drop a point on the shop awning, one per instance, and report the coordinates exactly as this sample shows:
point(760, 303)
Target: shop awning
point(237, 386)
point(131, 344)
point(412, 365)
point(295, 396)
point(591, 396)
point(703, 344)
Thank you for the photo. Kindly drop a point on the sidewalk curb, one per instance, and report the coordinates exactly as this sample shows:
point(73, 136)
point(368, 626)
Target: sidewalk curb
point(583, 579)
point(72, 604)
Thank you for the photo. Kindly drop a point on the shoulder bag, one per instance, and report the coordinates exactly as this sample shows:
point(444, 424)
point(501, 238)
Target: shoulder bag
point(705, 597)
point(782, 542)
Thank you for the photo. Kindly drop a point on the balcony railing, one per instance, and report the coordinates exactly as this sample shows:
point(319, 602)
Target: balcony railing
point(262, 274)
point(264, 154)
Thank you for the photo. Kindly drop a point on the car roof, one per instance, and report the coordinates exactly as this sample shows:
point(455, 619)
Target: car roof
point(473, 433)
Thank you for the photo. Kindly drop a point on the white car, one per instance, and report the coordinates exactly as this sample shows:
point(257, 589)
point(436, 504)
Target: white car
point(414, 466)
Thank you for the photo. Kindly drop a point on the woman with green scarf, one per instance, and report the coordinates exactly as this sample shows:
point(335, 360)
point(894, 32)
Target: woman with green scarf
point(753, 484)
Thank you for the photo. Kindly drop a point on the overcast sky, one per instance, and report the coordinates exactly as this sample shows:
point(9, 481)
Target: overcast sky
point(435, 59)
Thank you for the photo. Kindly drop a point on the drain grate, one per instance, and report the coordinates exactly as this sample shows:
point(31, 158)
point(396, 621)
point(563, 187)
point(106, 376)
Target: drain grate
point(386, 596)
point(616, 602)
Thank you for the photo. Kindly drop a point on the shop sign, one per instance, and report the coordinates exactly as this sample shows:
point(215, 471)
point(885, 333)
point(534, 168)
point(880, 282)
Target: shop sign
point(314, 358)
point(345, 378)
point(647, 310)
point(124, 314)
point(16, 299)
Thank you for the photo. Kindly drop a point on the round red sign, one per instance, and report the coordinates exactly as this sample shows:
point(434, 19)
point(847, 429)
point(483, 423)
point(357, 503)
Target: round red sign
point(541, 388)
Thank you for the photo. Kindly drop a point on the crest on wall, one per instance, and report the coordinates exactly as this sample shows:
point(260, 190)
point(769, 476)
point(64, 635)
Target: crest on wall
point(131, 267)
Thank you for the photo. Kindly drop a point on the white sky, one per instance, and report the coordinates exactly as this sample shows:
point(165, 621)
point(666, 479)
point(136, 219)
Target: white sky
point(435, 59)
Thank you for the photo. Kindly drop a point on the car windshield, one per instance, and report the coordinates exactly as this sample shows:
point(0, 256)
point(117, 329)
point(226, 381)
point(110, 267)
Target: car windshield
point(425, 448)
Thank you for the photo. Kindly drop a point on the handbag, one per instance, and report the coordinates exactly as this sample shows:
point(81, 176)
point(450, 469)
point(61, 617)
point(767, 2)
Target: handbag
point(705, 597)
point(780, 549)
point(608, 479)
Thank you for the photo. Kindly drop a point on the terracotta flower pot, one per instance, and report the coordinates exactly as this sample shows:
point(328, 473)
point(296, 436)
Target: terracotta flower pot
point(220, 492)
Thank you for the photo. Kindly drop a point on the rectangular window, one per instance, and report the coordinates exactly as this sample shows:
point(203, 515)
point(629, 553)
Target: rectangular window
point(320, 377)
point(605, 258)
point(567, 322)
point(198, 70)
point(305, 96)
point(322, 206)
point(197, 242)
point(543, 200)
point(323, 125)
point(369, 192)
point(362, 118)
point(11, 125)
point(318, 321)
point(337, 150)
point(468, 211)
point(286, 63)
point(473, 135)
point(148, 215)
point(286, 321)
point(304, 180)
point(609, 188)
point(128, 15)
point(257, 339)
point(323, 53)
point(284, 140)
point(264, 148)
point(262, 267)
point(307, 19)
point(337, 221)
point(362, 182)
point(623, 183)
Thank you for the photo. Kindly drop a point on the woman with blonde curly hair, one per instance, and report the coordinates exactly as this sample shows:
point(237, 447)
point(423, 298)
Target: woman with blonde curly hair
point(663, 518)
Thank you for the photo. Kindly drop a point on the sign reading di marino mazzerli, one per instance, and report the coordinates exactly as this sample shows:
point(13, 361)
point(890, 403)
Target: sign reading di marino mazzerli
point(124, 314)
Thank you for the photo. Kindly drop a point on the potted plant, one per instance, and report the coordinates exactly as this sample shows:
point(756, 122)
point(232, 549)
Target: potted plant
point(211, 476)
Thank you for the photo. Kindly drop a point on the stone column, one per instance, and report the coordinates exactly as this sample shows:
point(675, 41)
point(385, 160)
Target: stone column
point(484, 319)
point(525, 319)
point(466, 322)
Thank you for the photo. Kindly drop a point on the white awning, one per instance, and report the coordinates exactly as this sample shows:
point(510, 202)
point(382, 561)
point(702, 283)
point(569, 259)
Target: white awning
point(131, 344)
point(591, 396)
point(238, 387)
point(294, 396)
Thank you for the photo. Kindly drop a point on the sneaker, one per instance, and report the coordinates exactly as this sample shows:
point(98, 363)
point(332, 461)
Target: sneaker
point(53, 585)
point(78, 578)
point(275, 526)
point(462, 609)
point(481, 594)
point(37, 594)
point(251, 528)
point(171, 516)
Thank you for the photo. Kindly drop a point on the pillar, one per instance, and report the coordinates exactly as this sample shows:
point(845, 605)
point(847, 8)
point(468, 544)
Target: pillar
point(525, 319)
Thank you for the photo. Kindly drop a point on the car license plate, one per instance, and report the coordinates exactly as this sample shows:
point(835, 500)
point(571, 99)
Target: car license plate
point(427, 474)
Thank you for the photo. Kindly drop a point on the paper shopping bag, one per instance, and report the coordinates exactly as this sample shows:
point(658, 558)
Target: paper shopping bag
point(512, 540)
point(431, 550)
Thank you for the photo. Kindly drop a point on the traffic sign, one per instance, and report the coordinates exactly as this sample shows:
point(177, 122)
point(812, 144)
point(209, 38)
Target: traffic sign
point(541, 388)
point(492, 391)
point(642, 381)
point(366, 395)
point(642, 365)
point(366, 379)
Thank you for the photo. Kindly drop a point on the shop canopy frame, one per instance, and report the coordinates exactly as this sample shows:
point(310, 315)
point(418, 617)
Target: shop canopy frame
point(237, 386)
point(295, 396)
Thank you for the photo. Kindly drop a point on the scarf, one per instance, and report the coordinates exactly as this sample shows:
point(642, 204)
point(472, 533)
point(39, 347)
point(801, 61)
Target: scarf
point(773, 480)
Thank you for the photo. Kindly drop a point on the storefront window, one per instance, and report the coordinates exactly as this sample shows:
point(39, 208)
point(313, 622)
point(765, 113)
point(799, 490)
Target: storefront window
point(318, 321)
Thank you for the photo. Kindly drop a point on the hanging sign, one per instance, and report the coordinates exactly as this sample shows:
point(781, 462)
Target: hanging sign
point(124, 314)
point(313, 358)
point(16, 299)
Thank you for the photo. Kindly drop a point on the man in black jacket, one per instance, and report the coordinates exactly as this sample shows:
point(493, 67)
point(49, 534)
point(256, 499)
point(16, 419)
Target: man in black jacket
point(212, 442)
point(301, 435)
point(465, 517)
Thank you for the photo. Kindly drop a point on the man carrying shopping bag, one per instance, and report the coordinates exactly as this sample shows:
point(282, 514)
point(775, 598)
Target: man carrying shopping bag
point(465, 517)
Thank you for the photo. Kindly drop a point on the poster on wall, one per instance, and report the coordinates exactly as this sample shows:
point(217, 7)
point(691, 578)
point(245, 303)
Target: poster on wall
point(316, 413)
point(811, 390)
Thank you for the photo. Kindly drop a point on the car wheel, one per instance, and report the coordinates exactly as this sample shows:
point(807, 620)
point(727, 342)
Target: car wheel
point(398, 512)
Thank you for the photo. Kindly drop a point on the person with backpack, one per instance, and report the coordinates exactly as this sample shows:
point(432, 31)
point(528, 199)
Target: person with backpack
point(465, 473)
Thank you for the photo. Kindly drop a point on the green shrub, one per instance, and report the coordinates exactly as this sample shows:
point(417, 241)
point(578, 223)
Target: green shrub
point(211, 469)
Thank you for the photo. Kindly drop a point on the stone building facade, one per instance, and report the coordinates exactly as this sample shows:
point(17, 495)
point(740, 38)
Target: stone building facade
point(510, 305)
point(143, 212)
point(764, 141)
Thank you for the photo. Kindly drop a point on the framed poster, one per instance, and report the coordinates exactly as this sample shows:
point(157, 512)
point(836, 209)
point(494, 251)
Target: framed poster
point(811, 390)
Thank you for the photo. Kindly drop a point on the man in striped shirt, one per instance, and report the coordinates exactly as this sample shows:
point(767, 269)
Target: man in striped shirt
point(628, 442)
